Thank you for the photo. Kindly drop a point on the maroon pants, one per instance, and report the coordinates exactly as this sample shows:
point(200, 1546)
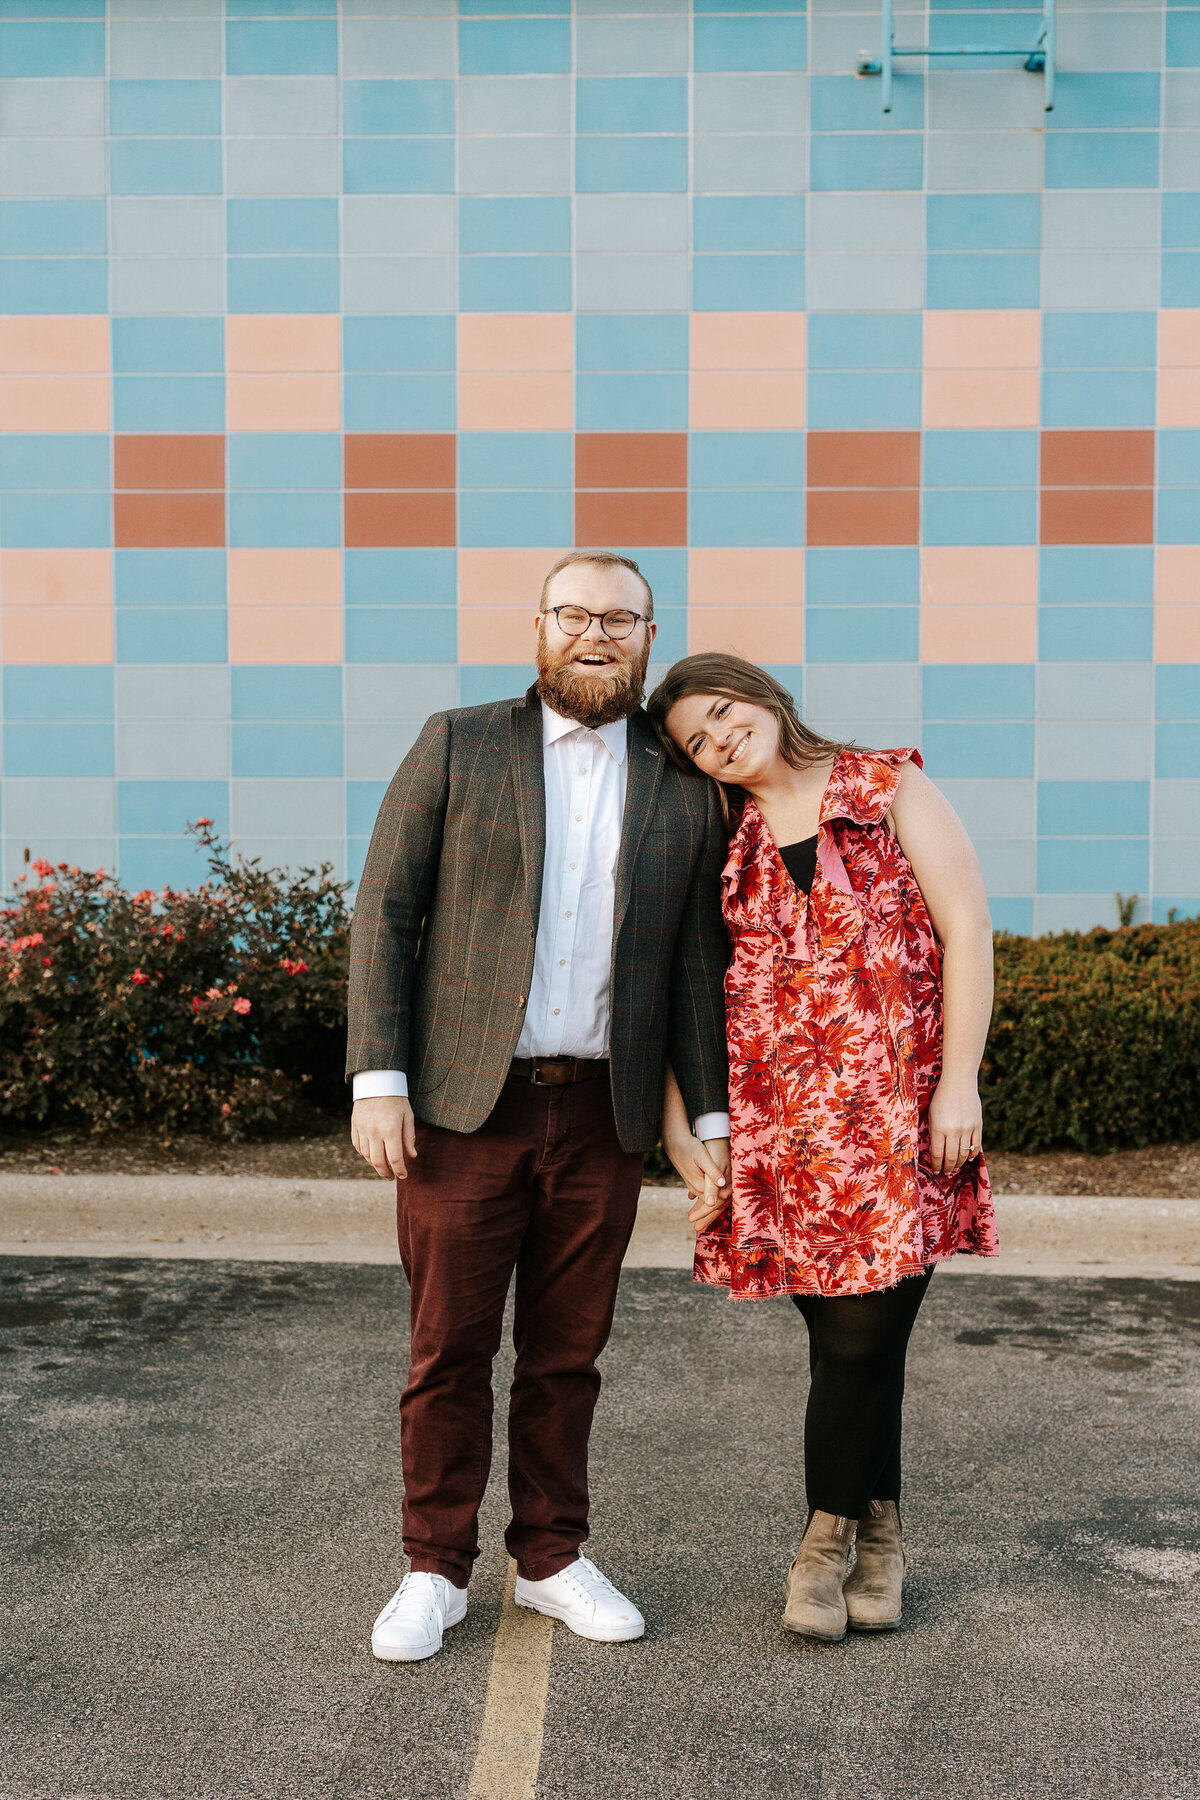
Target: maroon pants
point(543, 1187)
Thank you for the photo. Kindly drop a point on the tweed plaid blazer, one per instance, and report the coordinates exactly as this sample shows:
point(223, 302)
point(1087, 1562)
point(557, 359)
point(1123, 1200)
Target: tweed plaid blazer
point(441, 949)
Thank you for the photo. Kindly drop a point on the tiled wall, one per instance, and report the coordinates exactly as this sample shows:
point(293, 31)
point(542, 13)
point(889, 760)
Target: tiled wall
point(322, 332)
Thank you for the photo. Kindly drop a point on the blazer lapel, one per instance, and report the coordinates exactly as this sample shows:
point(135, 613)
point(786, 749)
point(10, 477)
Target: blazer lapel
point(641, 791)
point(529, 784)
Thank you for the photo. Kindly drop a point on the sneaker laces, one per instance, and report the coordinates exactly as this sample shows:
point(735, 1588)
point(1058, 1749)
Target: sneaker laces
point(425, 1597)
point(590, 1582)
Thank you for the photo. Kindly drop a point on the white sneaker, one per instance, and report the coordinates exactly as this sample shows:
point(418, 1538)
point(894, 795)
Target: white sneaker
point(410, 1626)
point(585, 1600)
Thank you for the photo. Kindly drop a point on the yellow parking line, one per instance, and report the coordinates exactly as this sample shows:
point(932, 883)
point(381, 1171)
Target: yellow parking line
point(510, 1740)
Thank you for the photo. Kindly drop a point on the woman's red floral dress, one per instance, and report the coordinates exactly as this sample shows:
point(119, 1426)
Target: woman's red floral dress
point(834, 1013)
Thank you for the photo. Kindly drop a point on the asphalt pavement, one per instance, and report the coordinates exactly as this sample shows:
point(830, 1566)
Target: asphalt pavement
point(201, 1518)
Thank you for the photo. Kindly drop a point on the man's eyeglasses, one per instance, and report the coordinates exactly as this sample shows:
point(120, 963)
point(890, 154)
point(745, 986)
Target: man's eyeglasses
point(575, 620)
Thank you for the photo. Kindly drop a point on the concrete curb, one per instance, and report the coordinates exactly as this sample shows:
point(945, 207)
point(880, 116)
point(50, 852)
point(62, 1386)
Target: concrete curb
point(265, 1219)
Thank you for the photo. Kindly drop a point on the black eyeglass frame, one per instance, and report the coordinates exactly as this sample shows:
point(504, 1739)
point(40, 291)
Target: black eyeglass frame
point(613, 637)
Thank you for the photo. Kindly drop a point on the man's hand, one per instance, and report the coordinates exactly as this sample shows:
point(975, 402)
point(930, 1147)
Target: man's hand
point(718, 1187)
point(385, 1132)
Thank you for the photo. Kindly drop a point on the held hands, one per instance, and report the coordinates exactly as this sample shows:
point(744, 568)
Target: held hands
point(705, 1169)
point(955, 1125)
point(383, 1131)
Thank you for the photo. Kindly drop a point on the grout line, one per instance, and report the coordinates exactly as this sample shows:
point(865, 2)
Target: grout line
point(510, 1737)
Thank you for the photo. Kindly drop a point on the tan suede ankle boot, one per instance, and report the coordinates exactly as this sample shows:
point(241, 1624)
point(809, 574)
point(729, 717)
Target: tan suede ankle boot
point(874, 1585)
point(815, 1607)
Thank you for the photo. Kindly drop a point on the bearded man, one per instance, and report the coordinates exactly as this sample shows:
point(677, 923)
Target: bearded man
point(537, 931)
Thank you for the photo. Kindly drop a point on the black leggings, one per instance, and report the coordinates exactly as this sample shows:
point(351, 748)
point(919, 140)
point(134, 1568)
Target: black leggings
point(856, 1349)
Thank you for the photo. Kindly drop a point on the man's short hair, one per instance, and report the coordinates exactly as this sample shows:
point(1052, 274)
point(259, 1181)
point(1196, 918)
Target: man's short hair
point(600, 559)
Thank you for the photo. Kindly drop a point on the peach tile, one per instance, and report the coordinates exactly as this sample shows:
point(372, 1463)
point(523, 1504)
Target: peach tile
point(654, 517)
point(978, 634)
point(1179, 397)
point(1177, 634)
point(863, 516)
point(999, 399)
point(168, 521)
point(1097, 459)
point(506, 578)
point(59, 344)
point(1176, 575)
point(375, 520)
point(1097, 515)
point(979, 575)
point(303, 578)
point(1179, 337)
point(982, 340)
point(73, 578)
point(768, 634)
point(282, 343)
point(283, 402)
point(496, 634)
point(514, 342)
point(631, 459)
point(159, 460)
point(56, 634)
point(864, 459)
point(746, 400)
point(54, 402)
point(285, 634)
point(530, 402)
point(747, 577)
point(748, 340)
point(399, 459)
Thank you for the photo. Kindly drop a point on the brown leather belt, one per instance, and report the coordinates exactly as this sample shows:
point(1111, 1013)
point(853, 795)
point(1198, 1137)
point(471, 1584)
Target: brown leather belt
point(556, 1071)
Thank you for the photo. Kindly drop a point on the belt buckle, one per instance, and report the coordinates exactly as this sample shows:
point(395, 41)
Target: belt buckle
point(536, 1079)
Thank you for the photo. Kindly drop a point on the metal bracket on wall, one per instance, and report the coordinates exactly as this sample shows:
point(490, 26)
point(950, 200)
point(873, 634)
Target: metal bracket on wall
point(1039, 56)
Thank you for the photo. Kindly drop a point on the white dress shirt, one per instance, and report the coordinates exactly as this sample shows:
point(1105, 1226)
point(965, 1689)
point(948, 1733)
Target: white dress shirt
point(567, 1012)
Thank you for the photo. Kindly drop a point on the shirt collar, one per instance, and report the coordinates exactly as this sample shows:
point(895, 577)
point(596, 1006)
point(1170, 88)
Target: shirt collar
point(614, 737)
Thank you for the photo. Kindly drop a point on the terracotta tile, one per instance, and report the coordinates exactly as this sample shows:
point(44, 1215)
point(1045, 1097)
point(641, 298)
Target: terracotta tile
point(1179, 397)
point(54, 402)
point(746, 577)
point(168, 521)
point(979, 634)
point(285, 634)
point(54, 343)
point(1176, 574)
point(988, 339)
point(631, 459)
point(1097, 516)
point(979, 575)
point(1177, 633)
point(304, 578)
point(524, 402)
point(864, 459)
point(282, 343)
point(870, 516)
point(505, 578)
point(56, 577)
point(496, 634)
point(746, 400)
point(161, 460)
point(379, 519)
point(283, 402)
point(56, 634)
point(516, 341)
point(1097, 459)
point(765, 634)
point(981, 399)
point(748, 340)
point(400, 459)
point(603, 519)
point(1179, 337)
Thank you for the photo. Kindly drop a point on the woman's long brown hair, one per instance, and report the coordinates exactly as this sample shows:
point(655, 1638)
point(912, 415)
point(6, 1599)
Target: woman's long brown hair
point(733, 678)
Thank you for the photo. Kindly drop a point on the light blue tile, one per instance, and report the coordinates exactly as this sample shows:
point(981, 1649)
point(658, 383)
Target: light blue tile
point(168, 284)
point(867, 402)
point(56, 808)
point(78, 691)
point(867, 575)
point(1178, 514)
point(992, 279)
point(288, 808)
point(48, 47)
point(285, 459)
point(56, 521)
point(1096, 633)
point(298, 521)
point(283, 47)
point(886, 693)
point(363, 800)
point(1181, 221)
point(1007, 866)
point(53, 284)
point(745, 164)
point(1070, 575)
point(165, 165)
point(983, 222)
point(644, 402)
point(631, 165)
point(1177, 868)
point(642, 104)
point(1091, 159)
point(52, 227)
point(1183, 39)
point(54, 166)
point(1107, 102)
point(163, 808)
point(514, 225)
point(164, 108)
point(281, 227)
point(514, 519)
point(768, 516)
point(1012, 915)
point(176, 346)
point(1177, 691)
point(416, 341)
point(868, 634)
point(1097, 690)
point(1181, 278)
point(59, 749)
point(846, 103)
point(401, 690)
point(490, 459)
point(967, 691)
point(166, 225)
point(774, 102)
point(160, 861)
point(283, 166)
point(748, 222)
point(285, 691)
point(750, 459)
point(514, 47)
point(1080, 865)
point(979, 458)
point(991, 808)
point(865, 160)
point(1176, 750)
point(1098, 398)
point(491, 103)
point(164, 47)
point(387, 402)
point(427, 284)
point(483, 682)
point(277, 284)
point(397, 108)
point(628, 46)
point(398, 44)
point(287, 750)
point(514, 165)
point(1093, 809)
point(1171, 908)
point(1099, 340)
point(177, 694)
point(749, 44)
point(857, 341)
point(401, 578)
point(747, 283)
point(1113, 750)
point(280, 9)
point(515, 284)
point(281, 105)
point(412, 165)
point(173, 750)
point(631, 341)
point(172, 634)
point(618, 283)
point(978, 748)
point(979, 516)
point(468, 7)
point(169, 578)
point(54, 459)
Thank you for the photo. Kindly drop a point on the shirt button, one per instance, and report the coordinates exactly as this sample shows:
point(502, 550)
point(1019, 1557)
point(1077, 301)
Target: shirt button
point(562, 962)
point(557, 1010)
point(567, 914)
point(573, 865)
point(579, 815)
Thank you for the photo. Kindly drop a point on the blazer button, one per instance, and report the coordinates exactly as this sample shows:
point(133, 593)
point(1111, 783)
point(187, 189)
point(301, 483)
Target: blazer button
point(520, 999)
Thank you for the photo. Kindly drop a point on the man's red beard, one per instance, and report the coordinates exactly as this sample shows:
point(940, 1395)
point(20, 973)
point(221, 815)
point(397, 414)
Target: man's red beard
point(590, 700)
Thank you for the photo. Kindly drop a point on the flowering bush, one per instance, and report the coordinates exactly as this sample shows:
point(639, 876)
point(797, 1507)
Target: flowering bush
point(220, 1008)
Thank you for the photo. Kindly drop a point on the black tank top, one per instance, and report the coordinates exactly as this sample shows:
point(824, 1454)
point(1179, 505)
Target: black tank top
point(800, 861)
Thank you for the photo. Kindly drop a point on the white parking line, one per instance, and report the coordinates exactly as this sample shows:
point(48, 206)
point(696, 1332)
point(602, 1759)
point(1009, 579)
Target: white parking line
point(510, 1739)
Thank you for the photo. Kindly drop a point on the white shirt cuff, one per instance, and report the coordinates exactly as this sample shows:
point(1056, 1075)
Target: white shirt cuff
point(708, 1125)
point(381, 1084)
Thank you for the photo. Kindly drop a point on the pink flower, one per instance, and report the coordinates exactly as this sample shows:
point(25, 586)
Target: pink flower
point(241, 1005)
point(42, 867)
point(45, 962)
point(200, 822)
point(226, 1109)
point(294, 968)
point(138, 979)
point(197, 1003)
